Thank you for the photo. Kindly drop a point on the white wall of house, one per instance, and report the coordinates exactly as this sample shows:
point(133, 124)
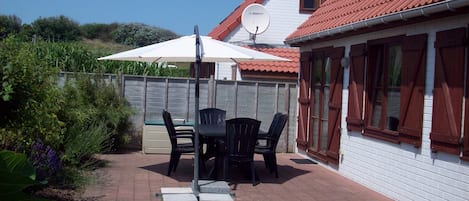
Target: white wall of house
point(284, 19)
point(401, 171)
point(223, 71)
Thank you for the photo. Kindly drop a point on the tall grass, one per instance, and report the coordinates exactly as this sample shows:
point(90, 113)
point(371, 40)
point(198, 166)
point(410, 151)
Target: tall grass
point(82, 57)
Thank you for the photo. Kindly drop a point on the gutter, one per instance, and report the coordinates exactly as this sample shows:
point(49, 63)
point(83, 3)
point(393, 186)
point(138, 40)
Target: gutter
point(427, 10)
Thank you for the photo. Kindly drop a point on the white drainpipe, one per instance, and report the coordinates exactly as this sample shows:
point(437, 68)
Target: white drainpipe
point(448, 5)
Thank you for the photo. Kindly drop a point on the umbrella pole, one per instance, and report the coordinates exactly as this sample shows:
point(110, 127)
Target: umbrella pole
point(198, 61)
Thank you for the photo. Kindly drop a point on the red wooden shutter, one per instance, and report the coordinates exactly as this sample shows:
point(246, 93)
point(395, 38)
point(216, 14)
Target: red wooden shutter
point(335, 105)
point(465, 152)
point(355, 89)
point(412, 89)
point(303, 100)
point(448, 91)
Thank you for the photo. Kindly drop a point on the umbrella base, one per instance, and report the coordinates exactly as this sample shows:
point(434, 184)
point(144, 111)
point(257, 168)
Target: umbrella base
point(209, 190)
point(212, 186)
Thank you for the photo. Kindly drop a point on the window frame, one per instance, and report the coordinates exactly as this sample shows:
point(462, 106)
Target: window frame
point(309, 10)
point(372, 131)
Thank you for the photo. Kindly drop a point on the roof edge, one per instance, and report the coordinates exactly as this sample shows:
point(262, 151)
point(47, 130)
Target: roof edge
point(448, 5)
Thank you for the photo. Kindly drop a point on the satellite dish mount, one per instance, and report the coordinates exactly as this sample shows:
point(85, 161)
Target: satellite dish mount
point(255, 19)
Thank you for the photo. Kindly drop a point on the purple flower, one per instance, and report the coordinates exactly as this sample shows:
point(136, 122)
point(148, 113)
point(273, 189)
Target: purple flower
point(45, 160)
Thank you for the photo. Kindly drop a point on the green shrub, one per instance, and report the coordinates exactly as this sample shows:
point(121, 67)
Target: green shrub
point(10, 24)
point(83, 141)
point(58, 28)
point(98, 31)
point(85, 117)
point(30, 97)
point(97, 117)
point(139, 35)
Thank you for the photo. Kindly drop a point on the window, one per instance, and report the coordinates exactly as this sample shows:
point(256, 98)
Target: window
point(384, 87)
point(309, 5)
point(394, 69)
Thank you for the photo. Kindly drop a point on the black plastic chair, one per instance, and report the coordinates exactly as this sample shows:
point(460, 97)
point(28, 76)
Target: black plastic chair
point(177, 148)
point(271, 140)
point(241, 138)
point(211, 116)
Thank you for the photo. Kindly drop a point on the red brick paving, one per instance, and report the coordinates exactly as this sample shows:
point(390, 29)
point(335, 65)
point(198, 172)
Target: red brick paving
point(138, 177)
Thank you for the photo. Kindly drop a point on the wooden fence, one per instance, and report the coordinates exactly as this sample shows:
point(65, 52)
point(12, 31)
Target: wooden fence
point(259, 100)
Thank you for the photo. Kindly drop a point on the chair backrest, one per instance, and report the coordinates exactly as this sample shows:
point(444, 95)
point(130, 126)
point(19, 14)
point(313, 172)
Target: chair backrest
point(276, 128)
point(212, 116)
point(241, 137)
point(168, 122)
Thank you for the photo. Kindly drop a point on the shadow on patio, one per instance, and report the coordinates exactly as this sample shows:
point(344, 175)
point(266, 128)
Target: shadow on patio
point(136, 176)
point(184, 172)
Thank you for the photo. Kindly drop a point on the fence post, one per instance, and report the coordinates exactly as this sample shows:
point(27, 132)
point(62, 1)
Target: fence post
point(144, 99)
point(276, 98)
point(122, 84)
point(236, 99)
point(188, 91)
point(210, 92)
point(287, 108)
point(214, 89)
point(166, 91)
point(256, 100)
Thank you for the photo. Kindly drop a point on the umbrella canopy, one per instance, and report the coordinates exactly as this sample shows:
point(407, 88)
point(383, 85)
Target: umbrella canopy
point(183, 50)
point(196, 49)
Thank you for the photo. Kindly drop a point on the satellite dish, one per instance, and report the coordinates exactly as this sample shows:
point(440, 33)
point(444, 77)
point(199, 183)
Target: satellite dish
point(255, 19)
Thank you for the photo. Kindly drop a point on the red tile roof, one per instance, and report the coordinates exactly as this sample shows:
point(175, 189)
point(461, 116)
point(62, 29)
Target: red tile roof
point(231, 21)
point(275, 66)
point(335, 13)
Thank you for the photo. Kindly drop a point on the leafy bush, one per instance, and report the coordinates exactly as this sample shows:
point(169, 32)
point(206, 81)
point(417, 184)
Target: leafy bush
point(97, 117)
point(56, 29)
point(139, 35)
point(98, 31)
point(30, 98)
point(10, 24)
point(60, 129)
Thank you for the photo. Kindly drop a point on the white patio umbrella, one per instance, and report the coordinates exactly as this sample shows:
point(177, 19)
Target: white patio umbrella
point(189, 49)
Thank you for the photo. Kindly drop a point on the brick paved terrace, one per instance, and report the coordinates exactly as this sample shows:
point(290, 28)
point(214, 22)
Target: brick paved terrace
point(134, 176)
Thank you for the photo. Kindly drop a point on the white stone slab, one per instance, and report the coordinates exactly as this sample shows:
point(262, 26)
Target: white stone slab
point(211, 186)
point(176, 190)
point(179, 197)
point(214, 197)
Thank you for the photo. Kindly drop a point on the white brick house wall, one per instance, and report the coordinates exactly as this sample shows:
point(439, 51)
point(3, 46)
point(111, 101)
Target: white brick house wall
point(401, 171)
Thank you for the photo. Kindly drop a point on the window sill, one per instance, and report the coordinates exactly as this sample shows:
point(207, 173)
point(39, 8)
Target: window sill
point(309, 11)
point(386, 135)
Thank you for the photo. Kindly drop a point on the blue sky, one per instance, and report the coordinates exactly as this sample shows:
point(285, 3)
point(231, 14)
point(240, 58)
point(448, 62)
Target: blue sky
point(179, 16)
